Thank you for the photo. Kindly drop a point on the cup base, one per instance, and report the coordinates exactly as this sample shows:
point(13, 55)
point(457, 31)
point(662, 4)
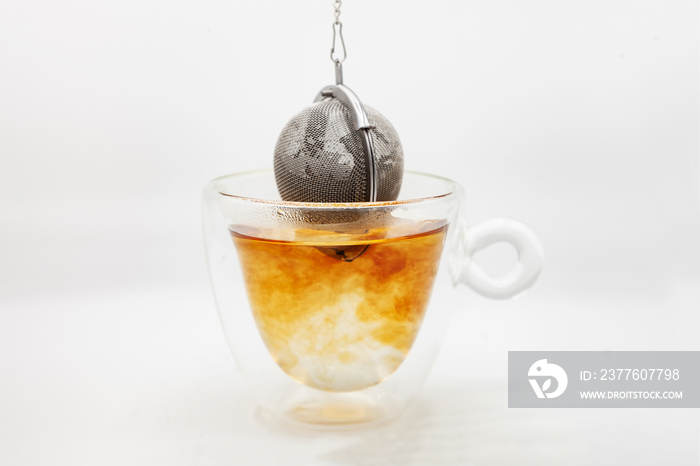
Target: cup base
point(336, 411)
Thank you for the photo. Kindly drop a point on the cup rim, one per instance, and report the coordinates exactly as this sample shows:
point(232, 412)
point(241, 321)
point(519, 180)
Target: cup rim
point(454, 191)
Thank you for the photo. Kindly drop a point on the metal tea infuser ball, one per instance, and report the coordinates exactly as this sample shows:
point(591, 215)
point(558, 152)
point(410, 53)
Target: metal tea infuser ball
point(338, 150)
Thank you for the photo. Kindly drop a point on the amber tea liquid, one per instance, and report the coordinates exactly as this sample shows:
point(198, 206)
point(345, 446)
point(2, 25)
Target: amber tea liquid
point(338, 311)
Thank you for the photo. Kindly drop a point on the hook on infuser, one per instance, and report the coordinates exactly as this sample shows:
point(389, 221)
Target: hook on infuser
point(339, 58)
point(338, 32)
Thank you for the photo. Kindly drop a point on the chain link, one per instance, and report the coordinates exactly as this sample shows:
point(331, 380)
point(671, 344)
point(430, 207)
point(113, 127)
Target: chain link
point(337, 4)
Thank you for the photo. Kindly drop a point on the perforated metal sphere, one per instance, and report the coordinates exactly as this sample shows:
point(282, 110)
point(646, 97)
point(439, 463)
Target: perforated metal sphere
point(319, 156)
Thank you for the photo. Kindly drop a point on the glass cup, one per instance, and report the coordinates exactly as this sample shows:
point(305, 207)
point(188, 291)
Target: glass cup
point(326, 306)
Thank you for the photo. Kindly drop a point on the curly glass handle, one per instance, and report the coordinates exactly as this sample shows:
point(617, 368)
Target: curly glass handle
point(500, 230)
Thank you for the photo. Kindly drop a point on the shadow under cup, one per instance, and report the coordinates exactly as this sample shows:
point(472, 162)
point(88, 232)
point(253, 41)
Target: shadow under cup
point(327, 307)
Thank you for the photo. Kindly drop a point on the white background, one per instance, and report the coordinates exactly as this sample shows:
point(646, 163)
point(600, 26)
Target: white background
point(579, 118)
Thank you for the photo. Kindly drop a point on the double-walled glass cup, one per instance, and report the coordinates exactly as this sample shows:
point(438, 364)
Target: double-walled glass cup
point(327, 307)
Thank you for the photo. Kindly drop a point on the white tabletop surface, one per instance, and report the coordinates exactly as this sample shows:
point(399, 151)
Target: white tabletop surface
point(144, 378)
